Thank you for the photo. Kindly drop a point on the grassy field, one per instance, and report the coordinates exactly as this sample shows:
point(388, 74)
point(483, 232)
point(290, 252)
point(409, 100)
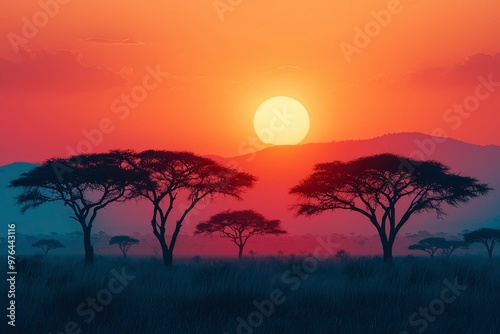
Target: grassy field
point(271, 295)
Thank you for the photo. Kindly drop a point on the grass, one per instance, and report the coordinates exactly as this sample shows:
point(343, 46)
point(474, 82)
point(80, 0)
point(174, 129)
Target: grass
point(356, 296)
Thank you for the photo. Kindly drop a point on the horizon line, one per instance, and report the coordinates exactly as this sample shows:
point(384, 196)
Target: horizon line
point(304, 144)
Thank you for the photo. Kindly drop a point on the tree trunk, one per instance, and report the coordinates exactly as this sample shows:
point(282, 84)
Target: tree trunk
point(240, 253)
point(89, 250)
point(490, 252)
point(167, 256)
point(124, 255)
point(166, 252)
point(387, 246)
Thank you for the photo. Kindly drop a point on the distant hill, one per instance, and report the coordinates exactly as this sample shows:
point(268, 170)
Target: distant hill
point(47, 218)
point(279, 168)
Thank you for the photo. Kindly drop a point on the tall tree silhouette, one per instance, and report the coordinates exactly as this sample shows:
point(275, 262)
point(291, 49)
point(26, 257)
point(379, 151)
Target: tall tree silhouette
point(489, 237)
point(48, 244)
point(386, 189)
point(85, 183)
point(124, 242)
point(171, 177)
point(239, 226)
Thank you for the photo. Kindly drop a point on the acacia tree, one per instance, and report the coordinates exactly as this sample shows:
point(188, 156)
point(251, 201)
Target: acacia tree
point(489, 237)
point(124, 242)
point(239, 226)
point(182, 180)
point(432, 245)
point(386, 189)
point(449, 246)
point(428, 245)
point(85, 183)
point(48, 244)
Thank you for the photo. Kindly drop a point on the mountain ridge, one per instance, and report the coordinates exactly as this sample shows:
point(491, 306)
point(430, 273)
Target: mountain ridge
point(384, 136)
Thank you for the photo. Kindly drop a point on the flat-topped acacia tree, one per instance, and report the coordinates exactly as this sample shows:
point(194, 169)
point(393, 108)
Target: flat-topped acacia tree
point(489, 237)
point(181, 180)
point(428, 245)
point(239, 226)
point(47, 245)
point(452, 245)
point(432, 245)
point(386, 189)
point(84, 183)
point(124, 242)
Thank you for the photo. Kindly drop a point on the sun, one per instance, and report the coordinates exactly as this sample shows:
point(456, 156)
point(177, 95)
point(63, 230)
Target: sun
point(281, 120)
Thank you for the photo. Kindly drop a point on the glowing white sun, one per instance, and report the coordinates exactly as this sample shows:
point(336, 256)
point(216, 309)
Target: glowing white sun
point(281, 120)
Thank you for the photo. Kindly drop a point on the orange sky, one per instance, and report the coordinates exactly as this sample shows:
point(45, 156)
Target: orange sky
point(64, 77)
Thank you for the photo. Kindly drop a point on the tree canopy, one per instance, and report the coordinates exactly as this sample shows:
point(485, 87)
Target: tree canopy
point(48, 244)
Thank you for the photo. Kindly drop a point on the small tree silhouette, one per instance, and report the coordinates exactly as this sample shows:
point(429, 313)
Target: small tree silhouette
point(487, 236)
point(429, 245)
point(48, 244)
point(239, 226)
point(449, 246)
point(432, 245)
point(124, 242)
point(342, 254)
point(252, 253)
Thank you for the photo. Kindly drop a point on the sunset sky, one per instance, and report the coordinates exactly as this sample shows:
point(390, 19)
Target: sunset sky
point(65, 73)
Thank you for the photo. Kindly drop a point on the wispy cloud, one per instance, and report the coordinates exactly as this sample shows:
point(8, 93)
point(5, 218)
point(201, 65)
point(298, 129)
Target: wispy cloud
point(41, 70)
point(464, 73)
point(125, 41)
